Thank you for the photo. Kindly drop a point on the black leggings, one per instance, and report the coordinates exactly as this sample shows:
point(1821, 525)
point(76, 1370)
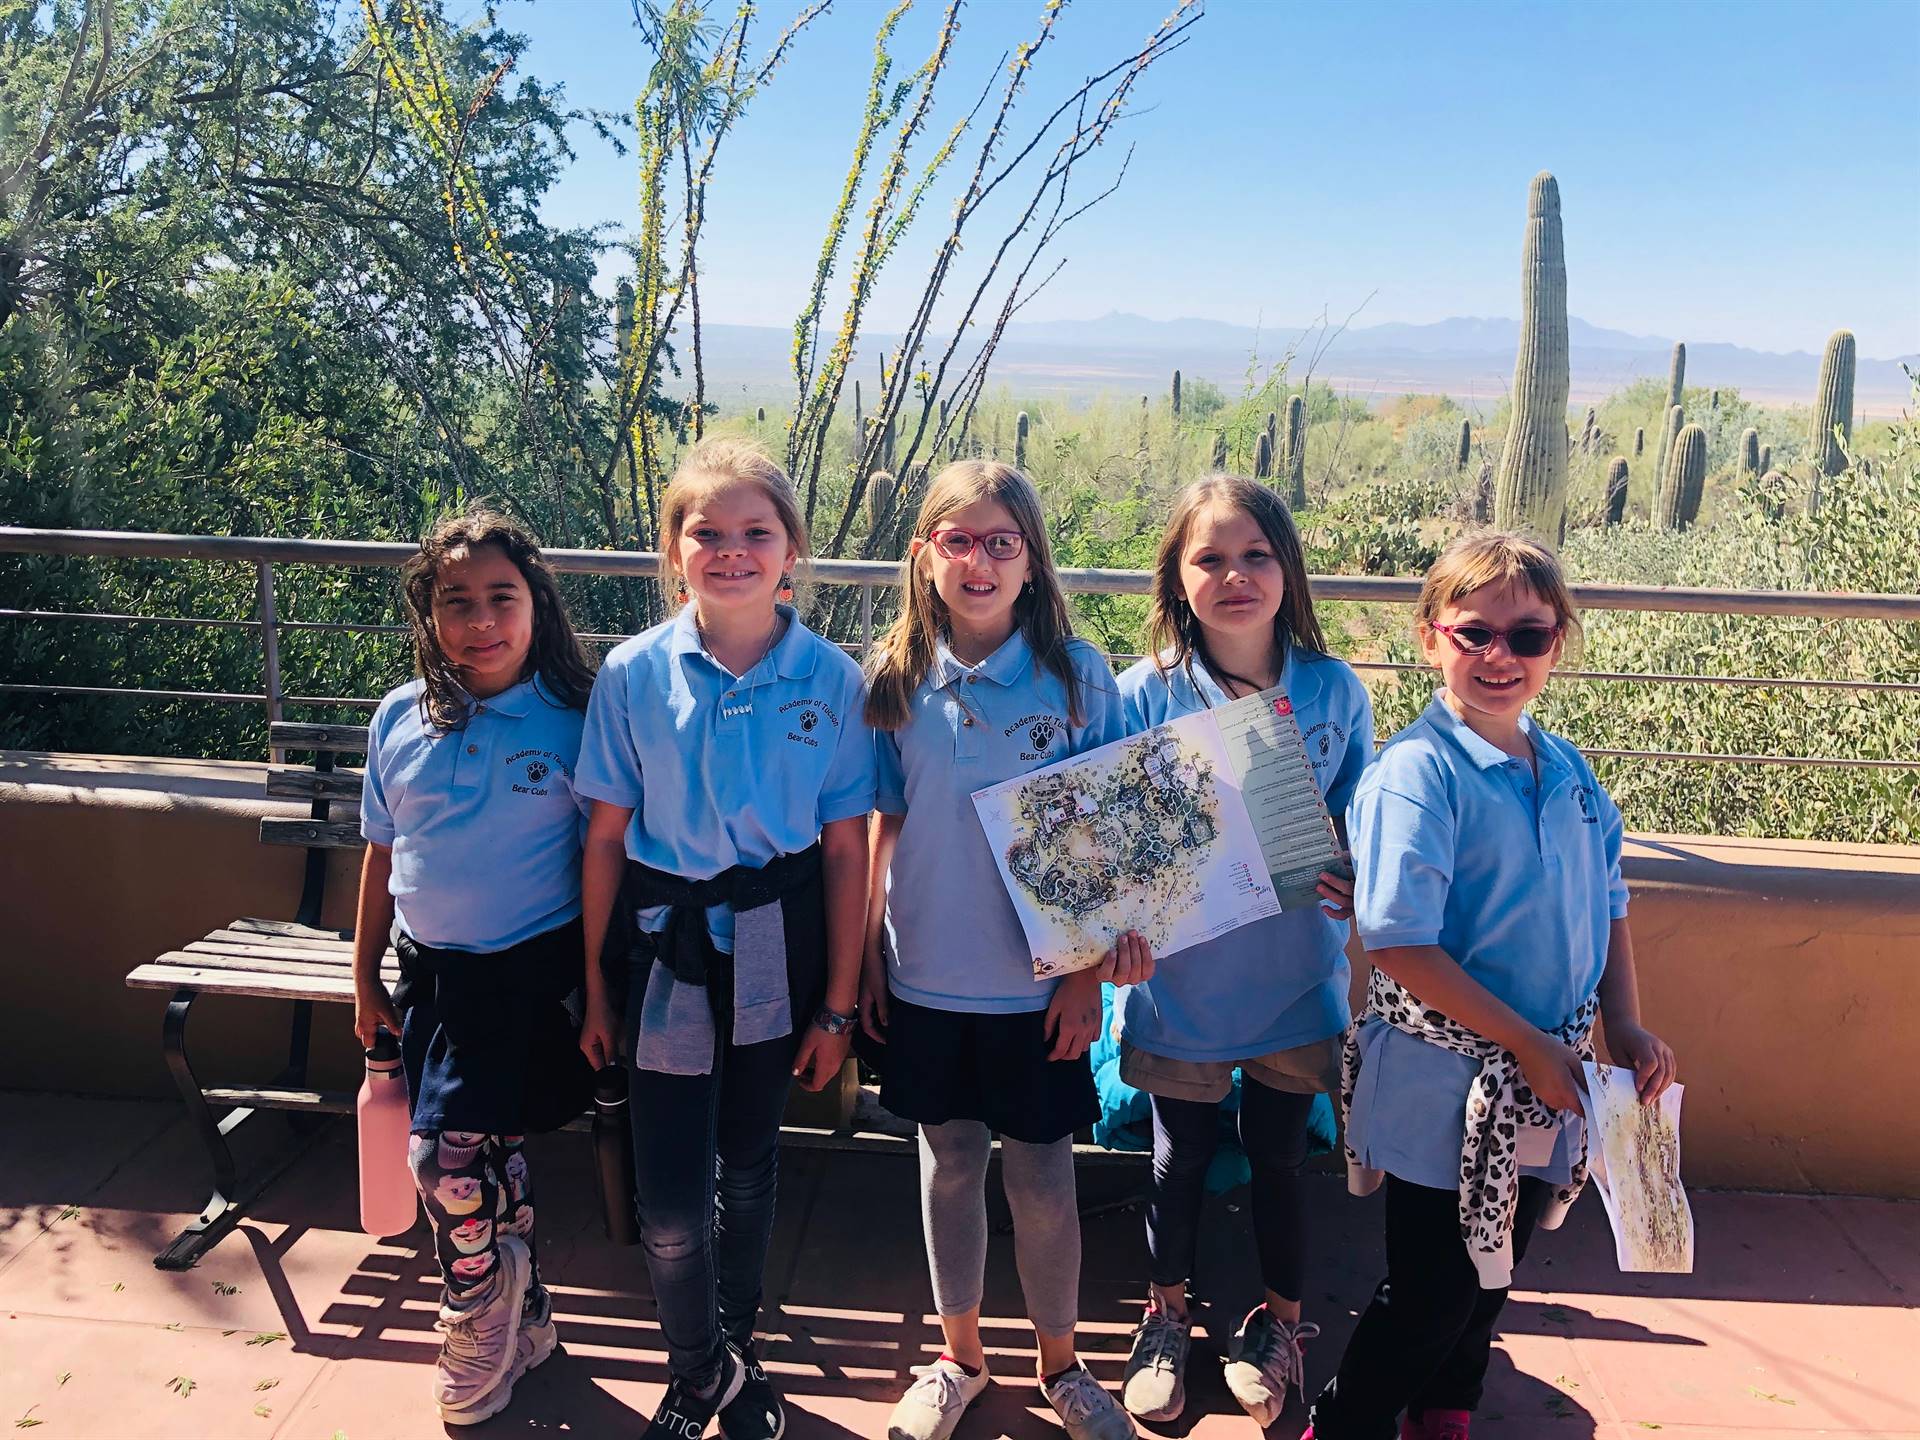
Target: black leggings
point(1273, 1132)
point(1425, 1339)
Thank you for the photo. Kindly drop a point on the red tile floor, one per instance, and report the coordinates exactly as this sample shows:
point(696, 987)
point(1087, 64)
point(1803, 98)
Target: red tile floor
point(1800, 1320)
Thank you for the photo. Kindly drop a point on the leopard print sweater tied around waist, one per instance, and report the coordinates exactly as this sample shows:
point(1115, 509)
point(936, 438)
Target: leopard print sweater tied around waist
point(1499, 1103)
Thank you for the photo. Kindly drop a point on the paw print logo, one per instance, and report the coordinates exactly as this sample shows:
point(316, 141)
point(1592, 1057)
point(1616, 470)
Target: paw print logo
point(1326, 744)
point(1041, 735)
point(809, 719)
point(536, 772)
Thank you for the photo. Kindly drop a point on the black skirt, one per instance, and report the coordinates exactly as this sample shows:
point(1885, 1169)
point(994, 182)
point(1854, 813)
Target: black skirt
point(941, 1065)
point(488, 1043)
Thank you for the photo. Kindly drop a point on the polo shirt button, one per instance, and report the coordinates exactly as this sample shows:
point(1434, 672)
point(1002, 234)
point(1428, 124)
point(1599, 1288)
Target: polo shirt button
point(967, 721)
point(473, 749)
point(972, 678)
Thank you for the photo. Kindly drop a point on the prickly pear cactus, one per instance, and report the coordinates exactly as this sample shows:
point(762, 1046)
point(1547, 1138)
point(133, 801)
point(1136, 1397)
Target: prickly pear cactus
point(1685, 481)
point(1530, 488)
point(1616, 490)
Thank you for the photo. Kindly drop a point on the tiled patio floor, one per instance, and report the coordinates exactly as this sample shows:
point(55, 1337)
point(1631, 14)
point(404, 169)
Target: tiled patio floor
point(1800, 1320)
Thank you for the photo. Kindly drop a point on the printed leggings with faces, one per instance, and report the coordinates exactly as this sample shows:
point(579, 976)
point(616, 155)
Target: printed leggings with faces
point(475, 1188)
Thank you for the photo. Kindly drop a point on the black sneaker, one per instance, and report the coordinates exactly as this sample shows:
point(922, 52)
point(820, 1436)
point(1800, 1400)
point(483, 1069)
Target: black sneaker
point(684, 1415)
point(755, 1413)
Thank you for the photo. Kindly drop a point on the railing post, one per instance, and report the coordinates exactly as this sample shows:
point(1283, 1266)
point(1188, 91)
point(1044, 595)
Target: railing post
point(270, 653)
point(866, 619)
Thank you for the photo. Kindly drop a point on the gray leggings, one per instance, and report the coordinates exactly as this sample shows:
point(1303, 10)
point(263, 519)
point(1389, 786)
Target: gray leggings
point(1046, 1220)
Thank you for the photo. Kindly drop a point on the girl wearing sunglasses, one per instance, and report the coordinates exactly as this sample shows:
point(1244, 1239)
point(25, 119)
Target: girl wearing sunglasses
point(1490, 902)
point(979, 680)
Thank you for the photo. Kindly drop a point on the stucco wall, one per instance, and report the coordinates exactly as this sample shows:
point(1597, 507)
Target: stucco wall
point(1785, 974)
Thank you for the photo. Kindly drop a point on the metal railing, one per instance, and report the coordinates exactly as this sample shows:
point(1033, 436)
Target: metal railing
point(267, 553)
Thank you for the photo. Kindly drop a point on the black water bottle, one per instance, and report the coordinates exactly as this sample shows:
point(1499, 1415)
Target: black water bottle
point(613, 1155)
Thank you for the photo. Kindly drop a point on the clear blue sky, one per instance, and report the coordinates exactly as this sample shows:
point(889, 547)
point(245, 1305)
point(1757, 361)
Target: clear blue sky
point(1730, 171)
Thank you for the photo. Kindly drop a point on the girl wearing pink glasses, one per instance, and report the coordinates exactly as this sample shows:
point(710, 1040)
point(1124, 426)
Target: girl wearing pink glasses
point(979, 680)
point(1489, 899)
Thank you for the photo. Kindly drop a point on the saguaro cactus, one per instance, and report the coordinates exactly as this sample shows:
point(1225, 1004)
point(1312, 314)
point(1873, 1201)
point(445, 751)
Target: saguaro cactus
point(1765, 463)
point(1833, 405)
point(760, 415)
point(1530, 489)
point(1747, 457)
point(880, 489)
point(859, 418)
point(1676, 394)
point(887, 438)
point(1464, 450)
point(1020, 426)
point(1685, 479)
point(1676, 417)
point(1219, 449)
point(1639, 440)
point(1296, 452)
point(1263, 456)
point(1587, 432)
point(1616, 489)
point(1176, 394)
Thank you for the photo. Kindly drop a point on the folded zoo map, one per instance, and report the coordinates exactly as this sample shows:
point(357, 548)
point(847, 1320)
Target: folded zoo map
point(1192, 829)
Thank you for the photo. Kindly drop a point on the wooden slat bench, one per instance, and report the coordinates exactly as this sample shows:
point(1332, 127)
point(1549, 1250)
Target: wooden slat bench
point(293, 960)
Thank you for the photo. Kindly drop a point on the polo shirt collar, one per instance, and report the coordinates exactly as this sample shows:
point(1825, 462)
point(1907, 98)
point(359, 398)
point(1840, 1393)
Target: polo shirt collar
point(1213, 693)
point(792, 657)
point(1005, 666)
point(514, 702)
point(1484, 753)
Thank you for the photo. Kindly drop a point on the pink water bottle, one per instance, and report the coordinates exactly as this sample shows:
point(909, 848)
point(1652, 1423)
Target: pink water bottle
point(387, 1199)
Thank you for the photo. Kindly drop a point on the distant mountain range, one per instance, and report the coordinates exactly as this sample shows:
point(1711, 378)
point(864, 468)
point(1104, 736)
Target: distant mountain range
point(1470, 358)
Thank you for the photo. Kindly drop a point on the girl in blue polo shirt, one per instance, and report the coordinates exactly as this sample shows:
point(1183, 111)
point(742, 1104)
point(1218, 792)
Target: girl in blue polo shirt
point(473, 842)
point(1231, 616)
point(731, 774)
point(1490, 901)
point(976, 682)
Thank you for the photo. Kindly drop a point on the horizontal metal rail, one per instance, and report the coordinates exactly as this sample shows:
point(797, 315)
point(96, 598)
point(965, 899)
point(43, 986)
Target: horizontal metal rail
point(263, 553)
point(1377, 589)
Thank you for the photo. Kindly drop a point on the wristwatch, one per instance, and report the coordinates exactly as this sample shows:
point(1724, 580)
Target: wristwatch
point(833, 1022)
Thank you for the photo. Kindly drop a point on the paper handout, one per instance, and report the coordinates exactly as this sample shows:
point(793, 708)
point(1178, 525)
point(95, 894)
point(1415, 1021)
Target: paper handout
point(1633, 1154)
point(1184, 832)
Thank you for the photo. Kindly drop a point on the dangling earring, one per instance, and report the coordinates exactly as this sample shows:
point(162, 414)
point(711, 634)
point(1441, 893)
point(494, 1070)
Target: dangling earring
point(786, 589)
point(680, 590)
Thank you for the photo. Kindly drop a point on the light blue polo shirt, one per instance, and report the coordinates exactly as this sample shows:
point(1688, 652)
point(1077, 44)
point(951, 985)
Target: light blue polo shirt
point(953, 938)
point(723, 770)
point(1281, 981)
point(1457, 845)
point(485, 823)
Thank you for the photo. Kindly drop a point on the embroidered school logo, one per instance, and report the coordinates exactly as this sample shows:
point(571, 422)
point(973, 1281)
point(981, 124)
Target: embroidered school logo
point(536, 772)
point(812, 711)
point(535, 767)
point(1041, 735)
point(809, 719)
point(1589, 810)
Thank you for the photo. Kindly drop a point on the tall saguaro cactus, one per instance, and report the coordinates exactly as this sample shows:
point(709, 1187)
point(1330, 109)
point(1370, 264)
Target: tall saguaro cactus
point(1676, 395)
point(1296, 452)
point(1747, 459)
point(1464, 451)
point(1263, 456)
point(1020, 426)
point(880, 488)
point(1685, 480)
point(1219, 450)
point(1530, 489)
point(1616, 490)
point(1639, 440)
point(1676, 418)
point(1833, 405)
point(1765, 462)
point(1176, 394)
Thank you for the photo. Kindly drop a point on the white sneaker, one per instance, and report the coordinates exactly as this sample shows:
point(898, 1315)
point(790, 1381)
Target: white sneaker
point(935, 1401)
point(1086, 1411)
point(1154, 1384)
point(480, 1343)
point(1264, 1358)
